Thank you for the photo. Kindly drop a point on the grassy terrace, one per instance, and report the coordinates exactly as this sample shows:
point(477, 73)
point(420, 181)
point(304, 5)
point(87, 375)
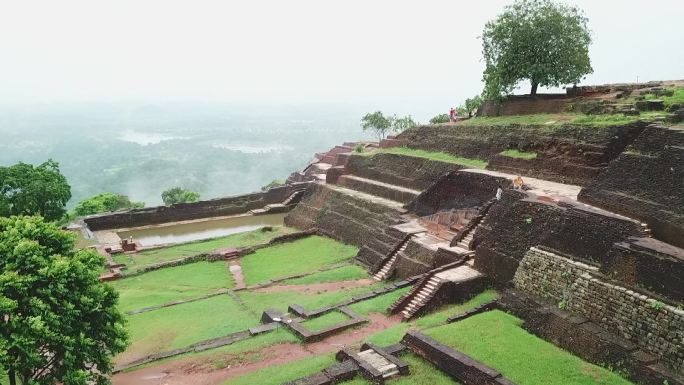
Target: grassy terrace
point(301, 256)
point(519, 154)
point(552, 120)
point(496, 339)
point(182, 325)
point(172, 284)
point(145, 258)
point(432, 155)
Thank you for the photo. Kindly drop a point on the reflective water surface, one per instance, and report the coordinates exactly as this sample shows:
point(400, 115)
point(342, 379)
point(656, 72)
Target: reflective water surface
point(211, 228)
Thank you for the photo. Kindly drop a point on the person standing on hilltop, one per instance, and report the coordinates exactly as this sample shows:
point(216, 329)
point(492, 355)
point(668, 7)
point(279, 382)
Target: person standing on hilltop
point(452, 114)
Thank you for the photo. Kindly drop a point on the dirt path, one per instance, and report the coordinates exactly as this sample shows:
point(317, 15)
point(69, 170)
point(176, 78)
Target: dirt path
point(236, 270)
point(317, 287)
point(202, 371)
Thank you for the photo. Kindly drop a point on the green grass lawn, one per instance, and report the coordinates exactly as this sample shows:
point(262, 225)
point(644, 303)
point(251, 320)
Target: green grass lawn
point(145, 258)
point(325, 321)
point(278, 374)
point(344, 273)
point(496, 339)
point(301, 256)
point(519, 154)
point(172, 283)
point(178, 326)
point(433, 155)
point(380, 303)
point(552, 120)
point(258, 302)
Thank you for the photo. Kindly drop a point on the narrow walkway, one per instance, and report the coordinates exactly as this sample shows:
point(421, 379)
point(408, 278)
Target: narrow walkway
point(315, 288)
point(368, 197)
point(236, 271)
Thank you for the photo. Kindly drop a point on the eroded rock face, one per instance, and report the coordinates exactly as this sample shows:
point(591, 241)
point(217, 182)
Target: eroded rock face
point(646, 182)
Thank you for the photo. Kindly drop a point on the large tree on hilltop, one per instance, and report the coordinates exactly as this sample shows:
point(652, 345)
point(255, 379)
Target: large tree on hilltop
point(29, 190)
point(537, 40)
point(105, 202)
point(58, 322)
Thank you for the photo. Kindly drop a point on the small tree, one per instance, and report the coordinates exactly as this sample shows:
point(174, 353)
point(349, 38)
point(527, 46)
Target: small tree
point(403, 123)
point(179, 195)
point(29, 190)
point(105, 202)
point(378, 123)
point(58, 322)
point(272, 184)
point(472, 104)
point(441, 118)
point(538, 40)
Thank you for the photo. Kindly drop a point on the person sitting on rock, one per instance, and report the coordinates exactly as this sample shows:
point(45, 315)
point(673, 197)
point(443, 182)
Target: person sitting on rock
point(518, 183)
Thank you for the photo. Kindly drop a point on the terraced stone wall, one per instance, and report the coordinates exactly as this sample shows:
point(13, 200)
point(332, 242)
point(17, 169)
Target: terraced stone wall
point(349, 219)
point(457, 190)
point(407, 171)
point(646, 182)
point(654, 326)
point(516, 223)
point(566, 153)
point(234, 205)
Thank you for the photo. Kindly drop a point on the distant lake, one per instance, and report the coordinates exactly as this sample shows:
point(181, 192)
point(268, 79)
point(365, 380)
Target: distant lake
point(146, 138)
point(254, 148)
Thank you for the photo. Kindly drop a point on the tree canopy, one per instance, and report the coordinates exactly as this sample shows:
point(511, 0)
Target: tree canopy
point(59, 323)
point(541, 41)
point(179, 195)
point(105, 202)
point(382, 125)
point(29, 190)
point(441, 118)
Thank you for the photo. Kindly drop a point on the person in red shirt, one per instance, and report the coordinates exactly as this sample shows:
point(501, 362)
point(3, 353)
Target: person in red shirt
point(452, 114)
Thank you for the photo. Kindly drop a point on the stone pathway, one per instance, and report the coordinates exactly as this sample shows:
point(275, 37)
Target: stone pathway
point(236, 270)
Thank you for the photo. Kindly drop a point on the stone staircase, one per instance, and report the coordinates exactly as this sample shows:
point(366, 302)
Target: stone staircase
point(385, 190)
point(378, 362)
point(293, 196)
point(465, 238)
point(424, 295)
point(387, 266)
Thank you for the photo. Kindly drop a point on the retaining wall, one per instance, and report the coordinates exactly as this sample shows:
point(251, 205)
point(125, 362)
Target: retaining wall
point(646, 182)
point(401, 170)
point(234, 205)
point(350, 219)
point(654, 326)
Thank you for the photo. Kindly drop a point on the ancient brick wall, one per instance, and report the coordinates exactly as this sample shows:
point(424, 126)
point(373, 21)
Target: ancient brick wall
point(654, 326)
point(407, 171)
point(568, 154)
point(526, 105)
point(515, 224)
point(646, 182)
point(457, 190)
point(234, 205)
point(349, 219)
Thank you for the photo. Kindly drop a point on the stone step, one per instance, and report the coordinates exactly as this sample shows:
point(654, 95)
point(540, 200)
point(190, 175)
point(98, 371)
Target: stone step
point(381, 189)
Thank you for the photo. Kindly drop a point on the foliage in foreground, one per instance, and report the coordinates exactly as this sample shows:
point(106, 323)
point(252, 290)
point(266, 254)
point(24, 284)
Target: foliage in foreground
point(541, 41)
point(105, 202)
point(58, 320)
point(28, 190)
point(179, 195)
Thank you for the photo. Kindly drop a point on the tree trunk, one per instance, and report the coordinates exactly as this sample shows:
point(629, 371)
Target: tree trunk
point(12, 377)
point(533, 92)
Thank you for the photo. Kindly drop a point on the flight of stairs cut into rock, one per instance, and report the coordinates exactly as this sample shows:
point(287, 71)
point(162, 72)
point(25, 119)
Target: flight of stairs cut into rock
point(464, 239)
point(424, 295)
point(295, 195)
point(387, 266)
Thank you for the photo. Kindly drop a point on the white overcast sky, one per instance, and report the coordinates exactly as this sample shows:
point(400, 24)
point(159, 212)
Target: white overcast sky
point(417, 54)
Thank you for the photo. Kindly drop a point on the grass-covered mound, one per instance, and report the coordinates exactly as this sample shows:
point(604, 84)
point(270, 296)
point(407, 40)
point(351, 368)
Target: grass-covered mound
point(301, 256)
point(496, 339)
point(172, 284)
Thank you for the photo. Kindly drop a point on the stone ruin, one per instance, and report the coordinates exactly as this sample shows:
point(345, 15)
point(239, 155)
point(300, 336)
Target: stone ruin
point(588, 253)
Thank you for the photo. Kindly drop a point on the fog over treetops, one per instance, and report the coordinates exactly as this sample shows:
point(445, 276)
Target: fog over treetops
point(142, 149)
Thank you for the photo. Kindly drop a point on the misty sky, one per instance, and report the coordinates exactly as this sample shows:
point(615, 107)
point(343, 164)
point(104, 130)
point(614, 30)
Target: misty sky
point(412, 56)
